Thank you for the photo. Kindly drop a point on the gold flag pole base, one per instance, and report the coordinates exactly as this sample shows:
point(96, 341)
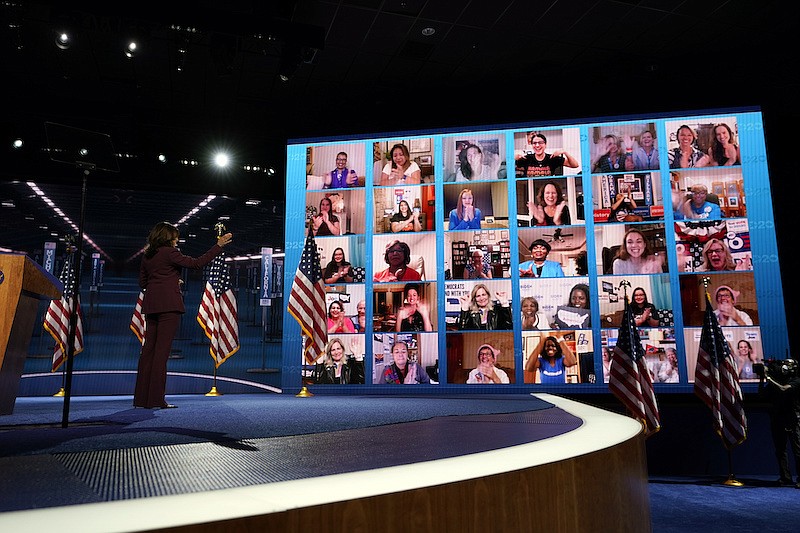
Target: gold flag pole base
point(731, 482)
point(213, 392)
point(304, 393)
point(59, 394)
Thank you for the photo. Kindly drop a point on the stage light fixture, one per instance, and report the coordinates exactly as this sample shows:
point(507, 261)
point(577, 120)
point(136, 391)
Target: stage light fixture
point(17, 144)
point(162, 158)
point(130, 50)
point(63, 40)
point(221, 159)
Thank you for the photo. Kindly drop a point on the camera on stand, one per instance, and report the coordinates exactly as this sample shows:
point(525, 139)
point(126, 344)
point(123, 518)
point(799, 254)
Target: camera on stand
point(780, 370)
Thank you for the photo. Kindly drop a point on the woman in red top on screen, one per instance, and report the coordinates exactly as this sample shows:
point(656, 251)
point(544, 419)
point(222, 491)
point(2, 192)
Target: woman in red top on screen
point(397, 256)
point(326, 223)
point(401, 170)
point(550, 208)
point(337, 321)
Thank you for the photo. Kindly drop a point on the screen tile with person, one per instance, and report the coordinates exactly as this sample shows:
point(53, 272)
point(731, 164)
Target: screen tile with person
point(543, 153)
point(628, 197)
point(550, 202)
point(469, 158)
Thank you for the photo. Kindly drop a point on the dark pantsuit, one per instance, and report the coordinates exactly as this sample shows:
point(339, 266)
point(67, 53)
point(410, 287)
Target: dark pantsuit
point(151, 379)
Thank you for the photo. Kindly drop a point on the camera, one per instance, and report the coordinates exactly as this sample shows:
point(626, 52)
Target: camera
point(781, 370)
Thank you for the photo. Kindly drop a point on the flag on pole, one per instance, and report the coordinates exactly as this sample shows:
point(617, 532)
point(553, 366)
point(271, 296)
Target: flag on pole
point(57, 318)
point(138, 324)
point(716, 381)
point(307, 301)
point(218, 313)
point(630, 380)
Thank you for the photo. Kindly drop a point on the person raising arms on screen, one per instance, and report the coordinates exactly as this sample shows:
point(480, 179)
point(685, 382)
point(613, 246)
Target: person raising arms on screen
point(478, 311)
point(635, 256)
point(645, 154)
point(341, 177)
point(723, 151)
point(487, 373)
point(623, 206)
point(551, 357)
point(537, 163)
point(697, 207)
point(550, 207)
point(614, 159)
point(405, 219)
point(465, 215)
point(686, 155)
point(716, 256)
point(745, 359)
point(414, 315)
point(397, 256)
point(325, 223)
point(400, 169)
point(402, 371)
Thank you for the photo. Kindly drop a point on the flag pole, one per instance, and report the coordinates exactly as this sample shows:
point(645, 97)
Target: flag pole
point(304, 392)
point(731, 481)
point(214, 391)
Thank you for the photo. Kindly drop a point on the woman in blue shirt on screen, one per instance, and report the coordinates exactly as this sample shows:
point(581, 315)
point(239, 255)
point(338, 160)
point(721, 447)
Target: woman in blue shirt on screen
point(551, 357)
point(465, 215)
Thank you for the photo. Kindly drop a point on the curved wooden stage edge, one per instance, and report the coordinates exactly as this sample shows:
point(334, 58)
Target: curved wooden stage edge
point(589, 479)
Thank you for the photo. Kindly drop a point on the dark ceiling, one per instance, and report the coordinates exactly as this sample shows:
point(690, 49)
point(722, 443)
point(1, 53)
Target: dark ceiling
point(362, 66)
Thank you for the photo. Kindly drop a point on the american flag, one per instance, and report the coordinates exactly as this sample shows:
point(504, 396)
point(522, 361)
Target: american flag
point(56, 320)
point(138, 323)
point(630, 379)
point(307, 301)
point(218, 313)
point(716, 381)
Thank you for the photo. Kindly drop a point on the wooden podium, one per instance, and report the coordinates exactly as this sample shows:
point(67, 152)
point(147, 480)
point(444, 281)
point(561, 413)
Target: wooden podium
point(22, 284)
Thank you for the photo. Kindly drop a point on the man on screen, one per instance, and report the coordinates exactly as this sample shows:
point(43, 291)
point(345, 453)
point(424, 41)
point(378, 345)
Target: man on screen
point(537, 163)
point(540, 266)
point(697, 207)
point(341, 177)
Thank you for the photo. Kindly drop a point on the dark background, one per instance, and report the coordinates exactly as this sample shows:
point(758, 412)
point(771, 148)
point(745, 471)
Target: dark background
point(355, 67)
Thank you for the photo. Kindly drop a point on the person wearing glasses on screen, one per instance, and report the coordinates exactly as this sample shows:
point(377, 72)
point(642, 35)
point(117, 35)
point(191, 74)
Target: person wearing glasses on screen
point(644, 313)
point(723, 151)
point(726, 311)
point(465, 215)
point(478, 267)
point(535, 162)
point(338, 270)
point(397, 256)
point(405, 219)
point(487, 373)
point(400, 169)
point(550, 207)
point(686, 155)
point(697, 207)
point(478, 311)
point(717, 257)
point(341, 177)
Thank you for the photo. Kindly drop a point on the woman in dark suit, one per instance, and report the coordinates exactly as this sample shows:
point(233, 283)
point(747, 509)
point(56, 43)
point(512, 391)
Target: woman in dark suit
point(159, 277)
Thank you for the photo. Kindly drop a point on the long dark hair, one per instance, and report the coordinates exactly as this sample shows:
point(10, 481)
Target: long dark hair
point(717, 150)
point(162, 234)
point(466, 169)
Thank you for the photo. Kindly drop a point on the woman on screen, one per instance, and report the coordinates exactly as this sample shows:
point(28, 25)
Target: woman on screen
point(400, 170)
point(550, 207)
point(465, 215)
point(397, 256)
point(326, 223)
point(635, 256)
point(645, 155)
point(478, 266)
point(478, 311)
point(614, 159)
point(531, 317)
point(473, 165)
point(726, 311)
point(623, 206)
point(487, 373)
point(337, 367)
point(723, 151)
point(338, 270)
point(745, 359)
point(645, 314)
point(405, 219)
point(579, 299)
point(337, 321)
point(717, 257)
point(414, 315)
point(402, 371)
point(551, 357)
point(686, 155)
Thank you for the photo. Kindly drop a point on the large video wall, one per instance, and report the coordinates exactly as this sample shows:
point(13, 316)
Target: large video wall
point(504, 256)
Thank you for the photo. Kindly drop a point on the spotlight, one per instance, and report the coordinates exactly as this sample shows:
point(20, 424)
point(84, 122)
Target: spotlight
point(17, 144)
point(221, 159)
point(130, 50)
point(63, 41)
point(162, 158)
